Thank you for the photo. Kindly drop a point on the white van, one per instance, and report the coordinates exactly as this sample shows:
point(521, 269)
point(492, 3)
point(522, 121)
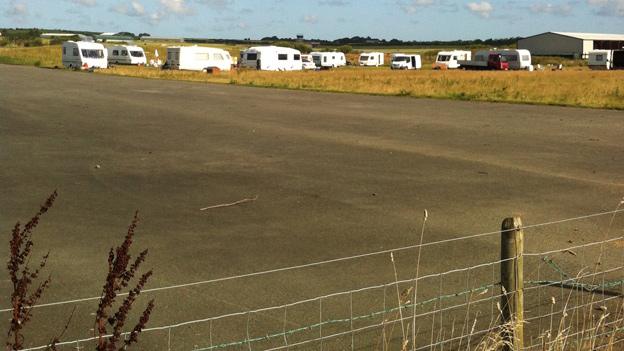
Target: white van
point(198, 58)
point(271, 58)
point(403, 61)
point(307, 62)
point(84, 55)
point(329, 59)
point(448, 59)
point(372, 59)
point(126, 55)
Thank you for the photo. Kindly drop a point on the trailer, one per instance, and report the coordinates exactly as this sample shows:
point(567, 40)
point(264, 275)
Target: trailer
point(375, 59)
point(84, 55)
point(450, 59)
point(307, 63)
point(271, 58)
point(329, 59)
point(606, 59)
point(126, 55)
point(402, 61)
point(501, 60)
point(198, 58)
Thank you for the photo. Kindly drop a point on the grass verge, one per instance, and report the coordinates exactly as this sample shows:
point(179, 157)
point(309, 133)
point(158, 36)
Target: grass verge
point(576, 87)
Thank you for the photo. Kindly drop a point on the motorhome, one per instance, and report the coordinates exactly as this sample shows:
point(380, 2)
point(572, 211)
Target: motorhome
point(606, 59)
point(402, 61)
point(271, 58)
point(126, 55)
point(449, 59)
point(372, 59)
point(495, 59)
point(198, 58)
point(84, 55)
point(329, 59)
point(307, 62)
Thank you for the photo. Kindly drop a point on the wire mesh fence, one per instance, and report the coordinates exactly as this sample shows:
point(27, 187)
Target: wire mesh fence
point(572, 298)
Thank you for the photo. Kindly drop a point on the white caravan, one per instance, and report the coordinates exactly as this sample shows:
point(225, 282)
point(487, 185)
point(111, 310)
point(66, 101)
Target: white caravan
point(307, 62)
point(329, 59)
point(198, 58)
point(517, 59)
point(271, 58)
point(126, 55)
point(599, 59)
point(606, 59)
point(402, 61)
point(448, 59)
point(372, 59)
point(84, 55)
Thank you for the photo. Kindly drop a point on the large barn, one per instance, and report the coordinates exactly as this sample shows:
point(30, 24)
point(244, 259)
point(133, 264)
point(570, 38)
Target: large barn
point(570, 44)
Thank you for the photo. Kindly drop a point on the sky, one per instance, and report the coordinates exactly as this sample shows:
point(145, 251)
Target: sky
point(320, 19)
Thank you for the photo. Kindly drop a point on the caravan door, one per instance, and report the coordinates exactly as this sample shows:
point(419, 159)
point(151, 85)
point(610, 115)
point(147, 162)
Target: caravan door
point(618, 59)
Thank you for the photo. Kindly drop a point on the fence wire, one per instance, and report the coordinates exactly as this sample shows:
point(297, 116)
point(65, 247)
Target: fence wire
point(569, 291)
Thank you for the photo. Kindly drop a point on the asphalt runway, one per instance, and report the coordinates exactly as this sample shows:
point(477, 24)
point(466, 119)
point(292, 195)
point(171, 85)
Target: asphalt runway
point(335, 175)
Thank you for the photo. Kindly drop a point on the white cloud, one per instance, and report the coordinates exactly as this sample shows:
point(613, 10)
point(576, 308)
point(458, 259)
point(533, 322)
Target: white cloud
point(608, 7)
point(218, 5)
point(88, 3)
point(483, 8)
point(310, 19)
point(413, 6)
point(564, 9)
point(134, 9)
point(178, 7)
point(16, 9)
point(334, 2)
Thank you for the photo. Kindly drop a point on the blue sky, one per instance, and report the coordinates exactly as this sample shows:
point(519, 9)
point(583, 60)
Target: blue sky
point(325, 19)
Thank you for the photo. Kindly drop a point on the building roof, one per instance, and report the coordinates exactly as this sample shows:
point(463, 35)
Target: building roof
point(586, 36)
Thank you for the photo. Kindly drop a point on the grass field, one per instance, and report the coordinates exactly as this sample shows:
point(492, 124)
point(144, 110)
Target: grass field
point(576, 86)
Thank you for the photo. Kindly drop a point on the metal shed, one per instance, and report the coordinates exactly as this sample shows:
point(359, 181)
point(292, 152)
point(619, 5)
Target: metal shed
point(570, 44)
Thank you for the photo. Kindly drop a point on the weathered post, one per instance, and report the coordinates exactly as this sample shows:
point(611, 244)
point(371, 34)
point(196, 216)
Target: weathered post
point(512, 282)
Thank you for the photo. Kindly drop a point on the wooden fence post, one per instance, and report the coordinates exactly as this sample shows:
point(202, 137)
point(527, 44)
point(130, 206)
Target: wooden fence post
point(512, 282)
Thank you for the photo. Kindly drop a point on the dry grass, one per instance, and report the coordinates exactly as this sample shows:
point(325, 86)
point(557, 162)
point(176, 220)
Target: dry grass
point(581, 88)
point(573, 87)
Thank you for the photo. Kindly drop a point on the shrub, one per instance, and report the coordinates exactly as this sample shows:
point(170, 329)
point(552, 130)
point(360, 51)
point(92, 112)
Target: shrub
point(22, 276)
point(118, 278)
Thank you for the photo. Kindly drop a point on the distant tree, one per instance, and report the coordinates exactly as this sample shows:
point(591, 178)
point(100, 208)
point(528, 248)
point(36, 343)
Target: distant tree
point(144, 35)
point(345, 49)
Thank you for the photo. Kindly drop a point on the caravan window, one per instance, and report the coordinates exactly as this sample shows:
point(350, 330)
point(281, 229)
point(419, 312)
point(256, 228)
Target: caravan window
point(444, 58)
point(202, 56)
point(124, 52)
point(76, 52)
point(136, 53)
point(526, 58)
point(325, 59)
point(297, 57)
point(64, 50)
point(218, 57)
point(511, 58)
point(364, 58)
point(282, 57)
point(92, 53)
point(252, 56)
point(599, 57)
point(115, 52)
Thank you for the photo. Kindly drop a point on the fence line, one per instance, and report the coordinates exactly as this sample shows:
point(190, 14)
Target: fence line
point(334, 260)
point(569, 282)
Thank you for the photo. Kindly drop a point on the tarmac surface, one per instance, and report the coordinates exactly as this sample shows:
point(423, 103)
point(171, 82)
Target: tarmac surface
point(335, 175)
